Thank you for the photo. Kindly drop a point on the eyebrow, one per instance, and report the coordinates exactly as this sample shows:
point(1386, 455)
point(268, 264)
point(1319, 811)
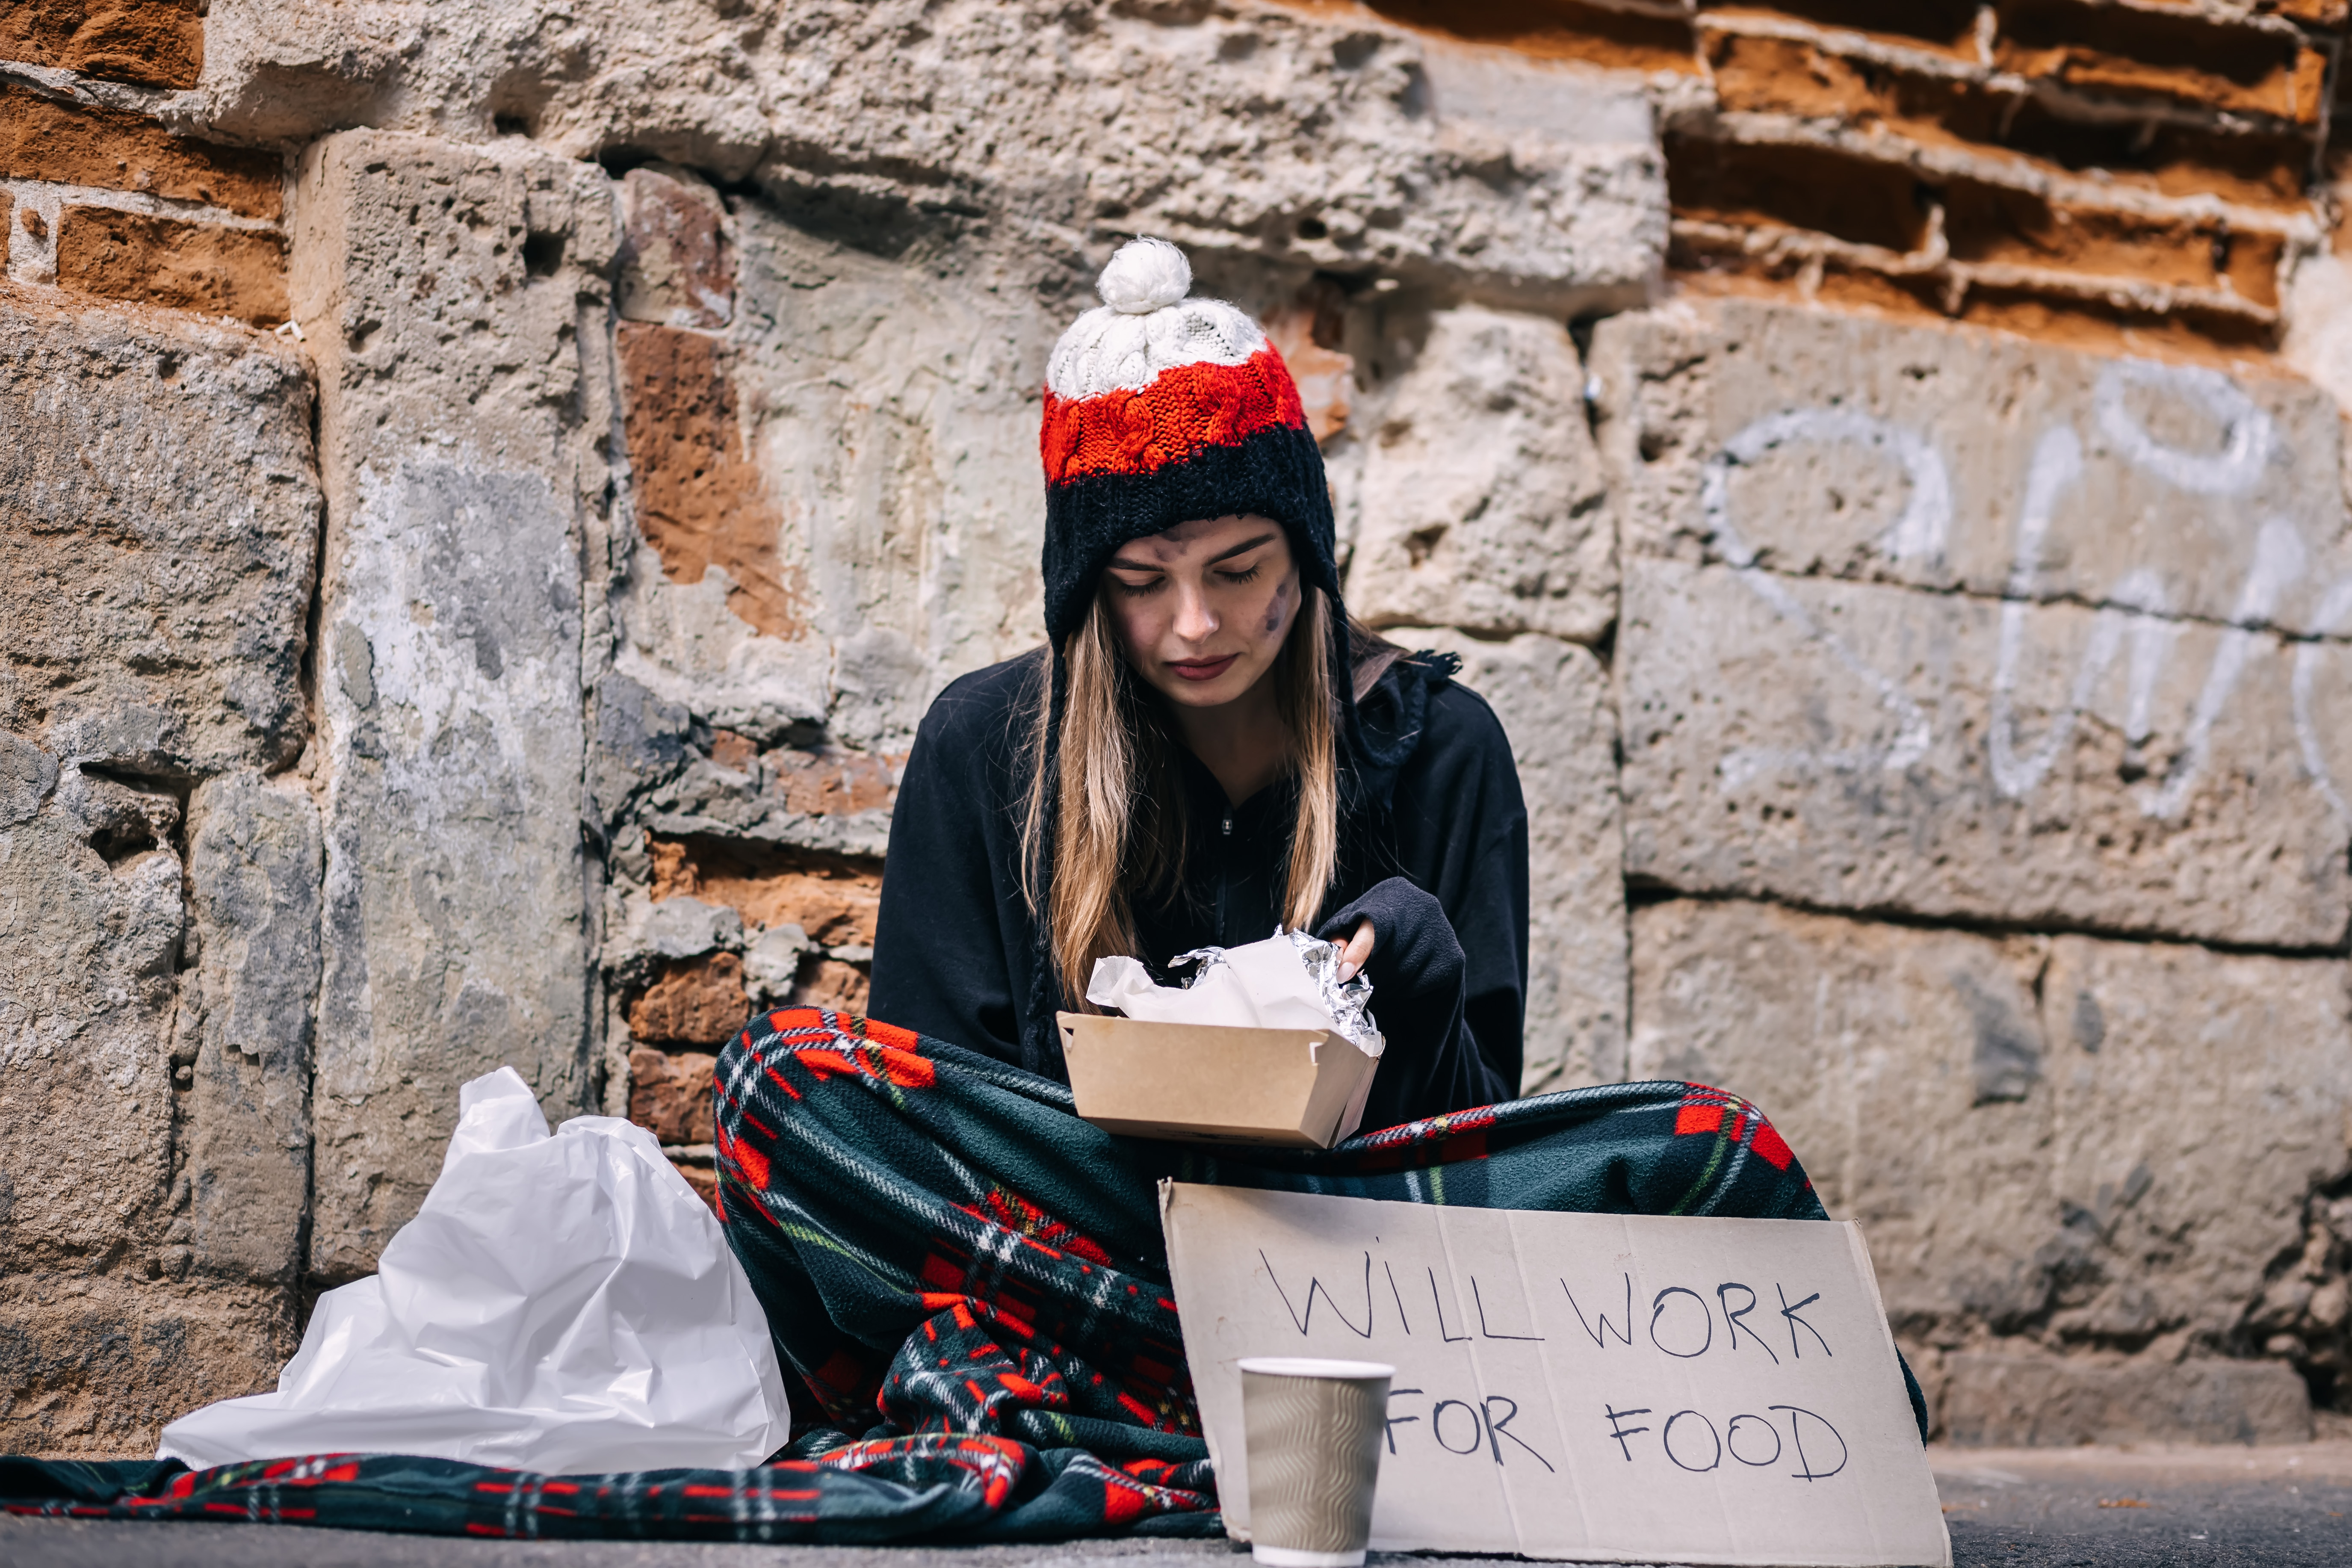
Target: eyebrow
point(1242, 549)
point(1266, 538)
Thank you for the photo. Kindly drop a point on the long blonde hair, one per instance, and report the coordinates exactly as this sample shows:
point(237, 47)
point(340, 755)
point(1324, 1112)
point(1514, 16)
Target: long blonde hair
point(1118, 821)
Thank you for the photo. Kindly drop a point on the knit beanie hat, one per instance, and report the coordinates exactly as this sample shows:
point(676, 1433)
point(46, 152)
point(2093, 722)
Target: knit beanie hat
point(1160, 410)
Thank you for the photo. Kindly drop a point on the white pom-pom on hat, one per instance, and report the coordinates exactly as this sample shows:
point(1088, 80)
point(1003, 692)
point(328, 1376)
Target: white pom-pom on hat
point(1146, 275)
point(1146, 324)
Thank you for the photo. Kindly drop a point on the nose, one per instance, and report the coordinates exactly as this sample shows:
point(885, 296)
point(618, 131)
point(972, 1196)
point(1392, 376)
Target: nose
point(1195, 622)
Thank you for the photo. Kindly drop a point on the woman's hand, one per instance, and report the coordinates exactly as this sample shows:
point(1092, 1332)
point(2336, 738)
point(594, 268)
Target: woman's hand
point(1356, 951)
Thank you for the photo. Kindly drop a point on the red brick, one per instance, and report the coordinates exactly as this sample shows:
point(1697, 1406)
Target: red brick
point(168, 261)
point(833, 897)
point(827, 982)
point(670, 1093)
point(153, 43)
point(732, 750)
point(699, 1002)
point(1989, 223)
point(68, 144)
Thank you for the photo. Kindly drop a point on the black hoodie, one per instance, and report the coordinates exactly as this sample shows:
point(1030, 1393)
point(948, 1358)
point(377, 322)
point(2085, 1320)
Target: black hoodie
point(1433, 851)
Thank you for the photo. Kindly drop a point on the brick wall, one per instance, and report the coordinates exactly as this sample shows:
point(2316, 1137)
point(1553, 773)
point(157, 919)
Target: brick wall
point(2107, 171)
point(100, 195)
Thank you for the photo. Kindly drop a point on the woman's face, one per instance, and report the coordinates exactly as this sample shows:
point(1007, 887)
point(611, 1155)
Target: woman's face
point(1201, 610)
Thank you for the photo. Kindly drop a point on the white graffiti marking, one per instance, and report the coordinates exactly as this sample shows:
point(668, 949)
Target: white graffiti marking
point(2278, 559)
point(2135, 609)
point(2335, 610)
point(2249, 435)
point(1918, 533)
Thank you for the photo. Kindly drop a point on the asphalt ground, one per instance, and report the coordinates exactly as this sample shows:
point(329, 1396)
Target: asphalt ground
point(2041, 1508)
point(2082, 1507)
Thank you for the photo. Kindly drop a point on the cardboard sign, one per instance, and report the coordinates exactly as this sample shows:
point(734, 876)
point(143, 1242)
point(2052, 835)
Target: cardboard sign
point(1588, 1388)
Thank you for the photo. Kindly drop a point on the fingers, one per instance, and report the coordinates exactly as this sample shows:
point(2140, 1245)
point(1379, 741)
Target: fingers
point(1357, 952)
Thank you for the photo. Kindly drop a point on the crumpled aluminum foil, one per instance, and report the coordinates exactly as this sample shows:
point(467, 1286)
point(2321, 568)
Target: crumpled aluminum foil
point(1349, 1003)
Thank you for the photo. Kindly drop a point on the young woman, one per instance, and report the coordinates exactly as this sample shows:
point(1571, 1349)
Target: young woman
point(954, 1264)
point(1210, 749)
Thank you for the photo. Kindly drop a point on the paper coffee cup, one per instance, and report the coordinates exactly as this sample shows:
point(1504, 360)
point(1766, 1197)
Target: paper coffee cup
point(1312, 1432)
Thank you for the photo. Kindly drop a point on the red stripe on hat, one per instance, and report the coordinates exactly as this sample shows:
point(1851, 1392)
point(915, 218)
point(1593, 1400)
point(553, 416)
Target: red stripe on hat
point(1185, 409)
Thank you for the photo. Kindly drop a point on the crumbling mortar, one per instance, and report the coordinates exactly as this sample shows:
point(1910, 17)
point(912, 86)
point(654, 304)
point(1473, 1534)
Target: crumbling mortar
point(1993, 167)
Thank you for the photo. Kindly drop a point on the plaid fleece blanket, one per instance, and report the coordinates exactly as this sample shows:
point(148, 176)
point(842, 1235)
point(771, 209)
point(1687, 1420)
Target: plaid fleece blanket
point(971, 1284)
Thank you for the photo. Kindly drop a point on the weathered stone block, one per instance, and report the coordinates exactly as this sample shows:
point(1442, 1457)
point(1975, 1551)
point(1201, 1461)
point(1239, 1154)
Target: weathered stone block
point(2197, 1099)
point(244, 1024)
point(1555, 704)
point(2098, 1146)
point(90, 930)
point(1335, 141)
point(2012, 1397)
point(1814, 443)
point(97, 1367)
point(459, 450)
point(879, 445)
point(159, 505)
point(1892, 1060)
point(1861, 746)
point(1474, 496)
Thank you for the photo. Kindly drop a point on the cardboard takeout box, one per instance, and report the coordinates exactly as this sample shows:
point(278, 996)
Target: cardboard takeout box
point(1212, 1084)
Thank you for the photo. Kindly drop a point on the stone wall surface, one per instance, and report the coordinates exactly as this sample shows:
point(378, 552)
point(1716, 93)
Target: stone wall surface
point(2052, 1142)
point(158, 521)
point(1474, 497)
point(1553, 699)
point(445, 289)
point(1934, 734)
point(2015, 635)
point(1214, 125)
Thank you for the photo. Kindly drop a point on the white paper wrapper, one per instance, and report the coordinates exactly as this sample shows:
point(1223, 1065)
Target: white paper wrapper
point(1290, 981)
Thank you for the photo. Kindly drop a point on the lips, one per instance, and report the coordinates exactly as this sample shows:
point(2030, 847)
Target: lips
point(1204, 668)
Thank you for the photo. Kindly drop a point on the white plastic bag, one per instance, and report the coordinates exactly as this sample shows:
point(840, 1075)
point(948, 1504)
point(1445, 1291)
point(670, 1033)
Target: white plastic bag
point(561, 1304)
